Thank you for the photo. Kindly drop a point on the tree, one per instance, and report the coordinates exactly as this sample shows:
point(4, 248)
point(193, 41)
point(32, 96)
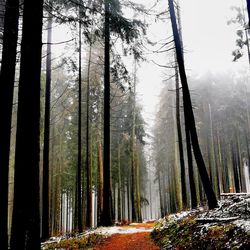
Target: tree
point(78, 191)
point(88, 147)
point(46, 147)
point(188, 112)
point(178, 122)
point(248, 10)
point(7, 79)
point(2, 13)
point(106, 214)
point(25, 232)
point(181, 154)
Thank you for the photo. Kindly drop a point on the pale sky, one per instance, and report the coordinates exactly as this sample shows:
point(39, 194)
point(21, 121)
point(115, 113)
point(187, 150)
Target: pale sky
point(208, 42)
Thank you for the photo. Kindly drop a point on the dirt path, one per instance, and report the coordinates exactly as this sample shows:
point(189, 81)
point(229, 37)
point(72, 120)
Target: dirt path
point(130, 241)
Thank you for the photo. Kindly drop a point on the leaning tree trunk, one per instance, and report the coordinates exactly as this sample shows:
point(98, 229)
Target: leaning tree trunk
point(212, 201)
point(106, 215)
point(25, 232)
point(45, 187)
point(7, 79)
point(178, 123)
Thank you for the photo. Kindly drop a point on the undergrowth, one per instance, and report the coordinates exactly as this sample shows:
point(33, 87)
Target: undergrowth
point(87, 242)
point(187, 233)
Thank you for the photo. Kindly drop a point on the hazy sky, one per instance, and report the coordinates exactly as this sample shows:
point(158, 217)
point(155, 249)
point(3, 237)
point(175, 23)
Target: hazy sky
point(208, 42)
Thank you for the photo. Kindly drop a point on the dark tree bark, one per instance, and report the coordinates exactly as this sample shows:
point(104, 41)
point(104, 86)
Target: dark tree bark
point(178, 122)
point(191, 169)
point(2, 14)
point(212, 201)
point(132, 159)
point(100, 186)
point(45, 187)
point(78, 191)
point(248, 10)
point(88, 150)
point(119, 183)
point(180, 143)
point(25, 232)
point(235, 170)
point(106, 215)
point(7, 79)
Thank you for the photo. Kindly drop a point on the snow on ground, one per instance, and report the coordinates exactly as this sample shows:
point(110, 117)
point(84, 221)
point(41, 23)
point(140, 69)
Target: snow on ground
point(225, 227)
point(105, 231)
point(121, 230)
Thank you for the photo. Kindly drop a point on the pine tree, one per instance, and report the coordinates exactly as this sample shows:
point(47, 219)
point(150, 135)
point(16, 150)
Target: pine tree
point(25, 232)
point(7, 79)
point(46, 147)
point(188, 111)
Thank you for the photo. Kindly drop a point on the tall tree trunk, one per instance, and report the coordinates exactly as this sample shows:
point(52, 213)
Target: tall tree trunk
point(212, 201)
point(88, 151)
point(100, 188)
point(25, 233)
point(235, 169)
point(248, 10)
point(2, 14)
point(7, 79)
point(178, 121)
point(132, 161)
point(119, 183)
point(160, 194)
point(106, 216)
point(45, 186)
point(128, 196)
point(213, 160)
point(181, 155)
point(78, 199)
point(138, 191)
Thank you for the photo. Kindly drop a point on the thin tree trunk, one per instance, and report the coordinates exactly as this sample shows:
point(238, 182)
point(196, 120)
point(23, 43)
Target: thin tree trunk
point(7, 79)
point(128, 196)
point(25, 232)
point(45, 186)
point(106, 216)
point(100, 190)
point(214, 166)
point(132, 152)
point(138, 193)
point(181, 155)
point(119, 183)
point(248, 10)
point(78, 199)
point(212, 201)
point(178, 122)
point(160, 194)
point(88, 151)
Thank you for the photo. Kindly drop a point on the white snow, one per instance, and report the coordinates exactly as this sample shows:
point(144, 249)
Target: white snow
point(105, 231)
point(244, 224)
point(120, 230)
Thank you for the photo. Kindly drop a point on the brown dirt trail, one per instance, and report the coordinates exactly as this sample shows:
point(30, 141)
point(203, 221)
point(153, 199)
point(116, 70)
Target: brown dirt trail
point(132, 241)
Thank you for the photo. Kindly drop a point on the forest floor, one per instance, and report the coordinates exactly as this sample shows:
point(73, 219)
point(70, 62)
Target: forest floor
point(226, 227)
point(135, 236)
point(129, 240)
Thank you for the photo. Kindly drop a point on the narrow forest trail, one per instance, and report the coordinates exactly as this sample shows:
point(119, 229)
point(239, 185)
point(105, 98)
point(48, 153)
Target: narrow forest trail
point(126, 240)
